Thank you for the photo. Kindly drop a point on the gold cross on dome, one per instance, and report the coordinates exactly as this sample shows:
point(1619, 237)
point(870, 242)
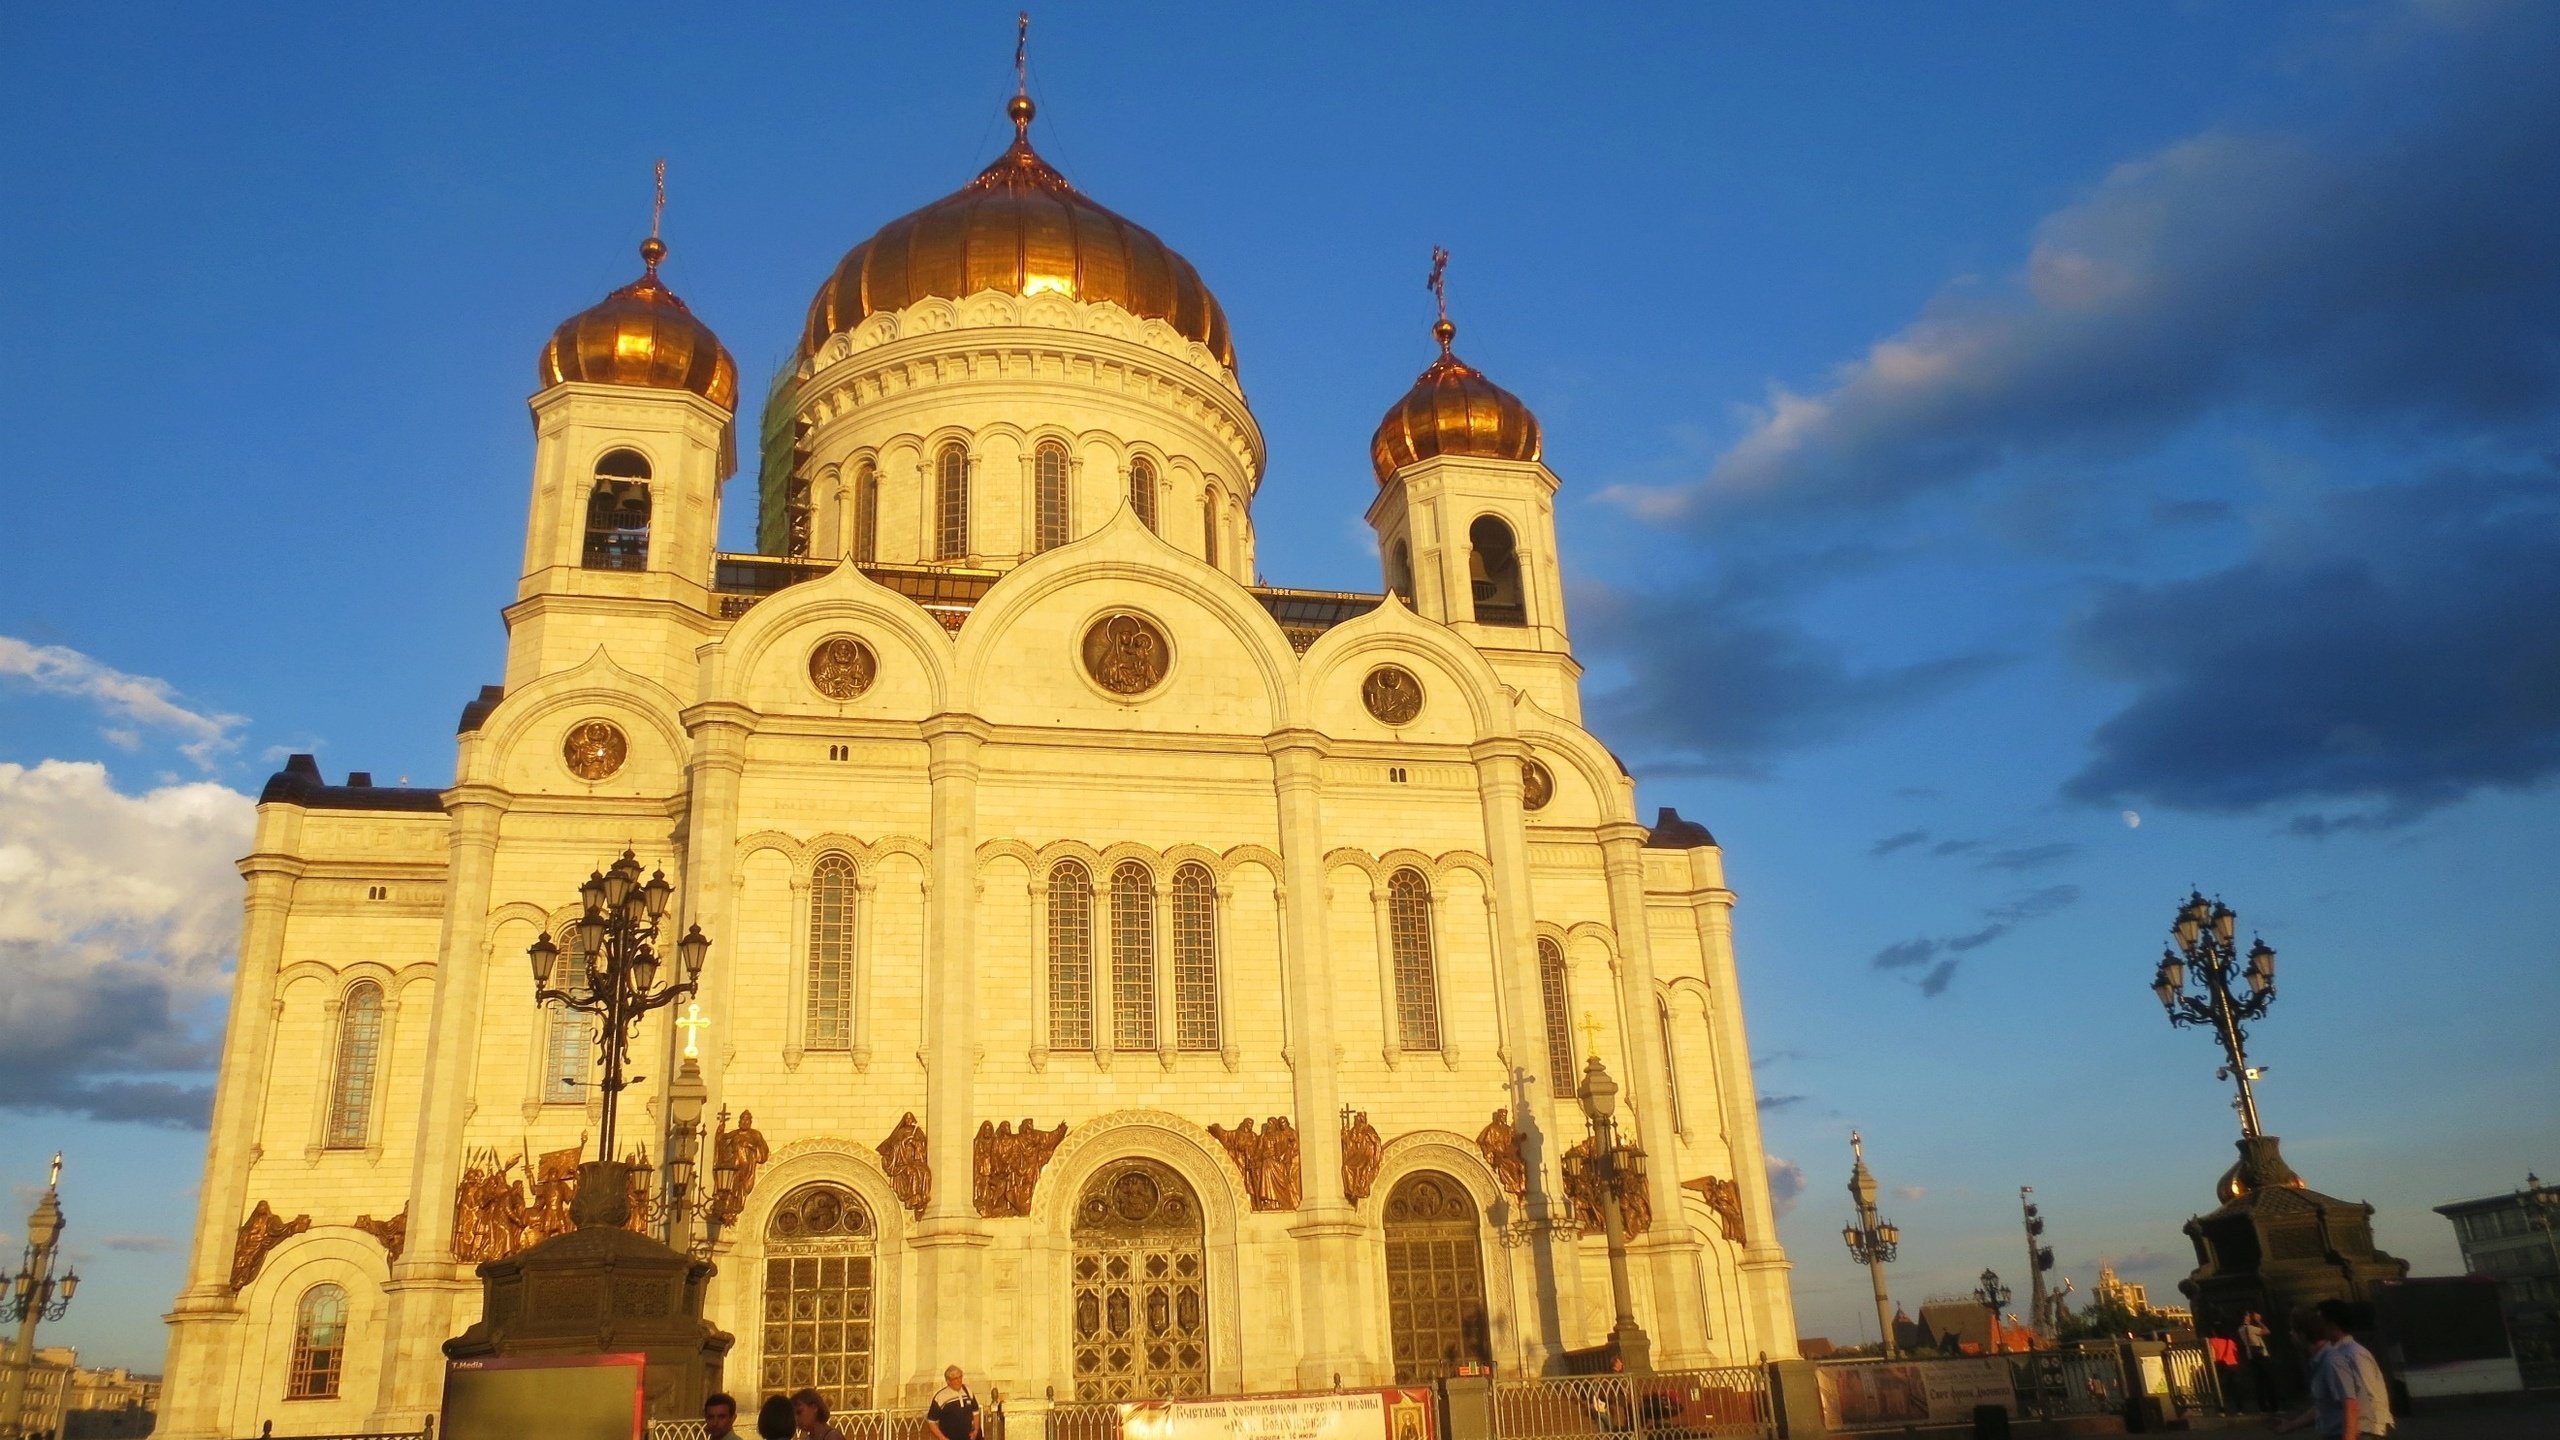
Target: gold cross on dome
point(1440, 278)
point(658, 207)
point(692, 1023)
point(1021, 52)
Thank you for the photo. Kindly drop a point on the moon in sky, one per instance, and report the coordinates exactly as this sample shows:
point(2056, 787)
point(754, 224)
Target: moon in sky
point(2133, 819)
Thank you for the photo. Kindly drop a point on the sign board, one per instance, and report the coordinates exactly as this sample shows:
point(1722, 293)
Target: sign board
point(1399, 1414)
point(560, 1397)
point(1865, 1394)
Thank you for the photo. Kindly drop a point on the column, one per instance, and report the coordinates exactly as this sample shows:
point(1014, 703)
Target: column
point(1539, 1101)
point(427, 1287)
point(205, 1321)
point(951, 1240)
point(1764, 1263)
point(710, 882)
point(1327, 1231)
point(1670, 1250)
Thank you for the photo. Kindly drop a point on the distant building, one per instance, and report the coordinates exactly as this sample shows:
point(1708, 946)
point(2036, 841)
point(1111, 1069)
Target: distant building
point(48, 1391)
point(111, 1403)
point(2500, 1240)
point(2113, 1293)
point(1963, 1327)
point(1814, 1347)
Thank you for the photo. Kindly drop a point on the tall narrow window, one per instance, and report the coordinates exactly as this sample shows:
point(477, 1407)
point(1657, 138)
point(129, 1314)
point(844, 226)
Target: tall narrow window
point(1559, 1006)
point(1400, 571)
point(1070, 956)
point(1670, 1063)
point(951, 503)
point(831, 954)
point(866, 515)
point(618, 513)
point(1133, 957)
point(1049, 479)
point(1195, 958)
point(1209, 526)
point(359, 1056)
point(319, 1344)
point(1493, 567)
point(1142, 490)
point(1417, 980)
point(564, 1055)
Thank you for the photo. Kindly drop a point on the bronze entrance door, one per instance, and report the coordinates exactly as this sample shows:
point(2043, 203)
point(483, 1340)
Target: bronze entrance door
point(818, 1328)
point(1435, 1279)
point(1141, 1313)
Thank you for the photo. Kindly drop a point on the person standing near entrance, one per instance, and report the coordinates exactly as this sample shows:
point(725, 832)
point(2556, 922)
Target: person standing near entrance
point(954, 1411)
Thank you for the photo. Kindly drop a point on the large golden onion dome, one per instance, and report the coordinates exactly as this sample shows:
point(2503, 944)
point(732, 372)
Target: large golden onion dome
point(643, 335)
point(1021, 229)
point(1452, 409)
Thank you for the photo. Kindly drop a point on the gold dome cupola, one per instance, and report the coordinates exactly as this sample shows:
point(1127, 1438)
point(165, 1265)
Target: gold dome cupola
point(1019, 229)
point(642, 335)
point(1452, 409)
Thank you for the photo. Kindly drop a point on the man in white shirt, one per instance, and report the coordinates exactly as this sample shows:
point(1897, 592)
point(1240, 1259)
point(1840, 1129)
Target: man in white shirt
point(954, 1411)
point(2349, 1399)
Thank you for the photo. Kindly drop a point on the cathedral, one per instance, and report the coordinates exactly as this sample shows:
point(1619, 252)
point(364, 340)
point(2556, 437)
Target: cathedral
point(1126, 978)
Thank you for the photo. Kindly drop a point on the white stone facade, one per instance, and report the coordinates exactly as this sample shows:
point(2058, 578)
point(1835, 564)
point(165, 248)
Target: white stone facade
point(984, 753)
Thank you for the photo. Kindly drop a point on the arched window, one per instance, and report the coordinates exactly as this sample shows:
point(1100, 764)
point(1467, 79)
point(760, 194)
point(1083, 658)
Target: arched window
point(1493, 565)
point(1209, 526)
point(866, 515)
point(1049, 479)
point(319, 1344)
point(618, 513)
point(1142, 490)
point(951, 503)
point(1133, 957)
point(1400, 571)
point(1670, 1062)
point(831, 954)
point(359, 1057)
point(1195, 958)
point(1559, 1007)
point(1417, 980)
point(565, 1054)
point(818, 1314)
point(1070, 956)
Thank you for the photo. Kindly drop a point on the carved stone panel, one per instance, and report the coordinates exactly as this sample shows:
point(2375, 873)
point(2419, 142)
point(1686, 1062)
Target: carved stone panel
point(1392, 694)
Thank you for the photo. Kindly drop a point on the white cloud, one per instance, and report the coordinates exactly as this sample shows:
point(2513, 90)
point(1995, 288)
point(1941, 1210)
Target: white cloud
point(1786, 1182)
point(139, 1244)
point(119, 917)
point(1910, 1192)
point(134, 702)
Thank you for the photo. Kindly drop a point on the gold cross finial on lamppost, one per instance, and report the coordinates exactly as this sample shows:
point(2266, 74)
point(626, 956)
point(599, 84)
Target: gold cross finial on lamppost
point(692, 1022)
point(1590, 1033)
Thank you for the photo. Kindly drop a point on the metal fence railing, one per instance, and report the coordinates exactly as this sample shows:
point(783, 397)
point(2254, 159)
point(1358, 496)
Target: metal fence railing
point(267, 1431)
point(852, 1424)
point(1085, 1420)
point(2051, 1383)
point(2195, 1382)
point(1706, 1404)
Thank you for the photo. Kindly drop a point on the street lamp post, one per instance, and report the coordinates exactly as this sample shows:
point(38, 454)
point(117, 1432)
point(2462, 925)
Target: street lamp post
point(612, 975)
point(1614, 1164)
point(2205, 953)
point(2039, 1260)
point(35, 1296)
point(1995, 1298)
point(1872, 1242)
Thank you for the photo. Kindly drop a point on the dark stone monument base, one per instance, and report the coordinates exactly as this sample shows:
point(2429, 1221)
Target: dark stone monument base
point(604, 1290)
point(2274, 1244)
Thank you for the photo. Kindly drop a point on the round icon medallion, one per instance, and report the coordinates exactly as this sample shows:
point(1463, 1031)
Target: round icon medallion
point(842, 667)
point(1392, 694)
point(594, 749)
point(1126, 654)
point(1537, 785)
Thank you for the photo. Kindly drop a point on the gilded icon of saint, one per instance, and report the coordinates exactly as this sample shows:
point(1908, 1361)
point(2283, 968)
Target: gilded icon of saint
point(1537, 785)
point(842, 667)
point(594, 749)
point(1125, 654)
point(1392, 694)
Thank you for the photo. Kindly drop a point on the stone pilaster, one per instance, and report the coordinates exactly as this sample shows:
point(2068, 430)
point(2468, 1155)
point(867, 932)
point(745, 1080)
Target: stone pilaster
point(1764, 1264)
point(720, 730)
point(427, 1286)
point(950, 1242)
point(205, 1323)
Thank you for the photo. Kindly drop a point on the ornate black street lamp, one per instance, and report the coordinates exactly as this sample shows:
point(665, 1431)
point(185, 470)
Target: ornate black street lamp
point(613, 975)
point(35, 1296)
point(1872, 1242)
point(1614, 1163)
point(1995, 1298)
point(2227, 993)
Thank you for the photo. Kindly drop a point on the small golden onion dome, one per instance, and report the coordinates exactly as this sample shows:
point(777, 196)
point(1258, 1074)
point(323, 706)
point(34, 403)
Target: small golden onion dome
point(641, 334)
point(1020, 229)
point(1452, 409)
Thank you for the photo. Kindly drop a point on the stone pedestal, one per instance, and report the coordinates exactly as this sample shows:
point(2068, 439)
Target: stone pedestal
point(2274, 1244)
point(602, 1289)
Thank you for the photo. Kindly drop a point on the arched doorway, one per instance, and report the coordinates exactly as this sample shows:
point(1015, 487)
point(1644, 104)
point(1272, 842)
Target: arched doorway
point(1436, 1318)
point(818, 1329)
point(1141, 1314)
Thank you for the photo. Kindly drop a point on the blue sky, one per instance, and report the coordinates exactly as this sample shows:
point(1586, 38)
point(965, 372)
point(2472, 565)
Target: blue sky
point(1979, 427)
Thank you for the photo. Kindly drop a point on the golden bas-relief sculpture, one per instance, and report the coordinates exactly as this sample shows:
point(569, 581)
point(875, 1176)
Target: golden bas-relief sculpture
point(1126, 654)
point(1499, 1143)
point(1268, 1160)
point(393, 1233)
point(1362, 1153)
point(842, 667)
point(594, 749)
point(1725, 1199)
point(1537, 785)
point(1392, 695)
point(902, 1157)
point(1008, 1162)
point(263, 1231)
